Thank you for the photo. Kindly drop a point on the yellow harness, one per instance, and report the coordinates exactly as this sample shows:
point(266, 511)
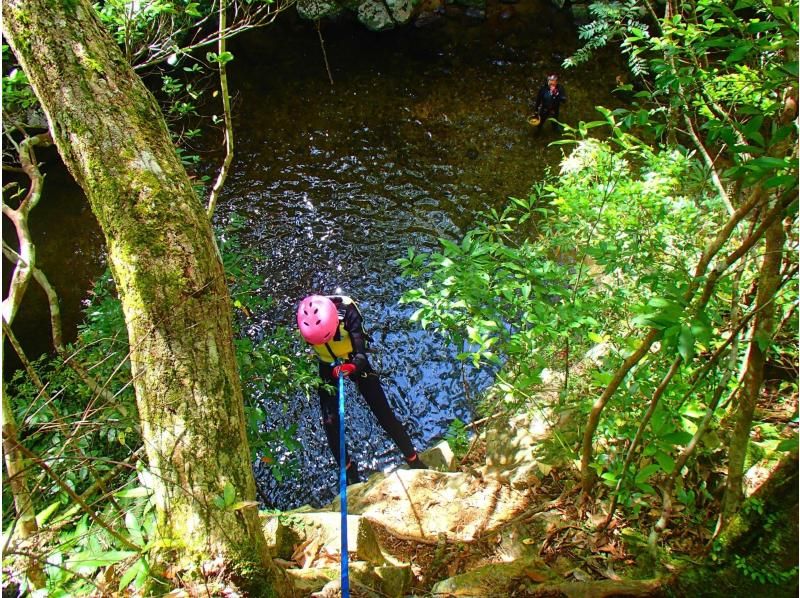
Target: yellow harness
point(340, 346)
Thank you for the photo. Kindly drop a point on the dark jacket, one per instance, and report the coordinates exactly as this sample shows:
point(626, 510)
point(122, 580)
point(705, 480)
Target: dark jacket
point(547, 102)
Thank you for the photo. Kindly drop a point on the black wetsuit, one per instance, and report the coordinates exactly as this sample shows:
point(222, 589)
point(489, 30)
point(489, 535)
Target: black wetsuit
point(548, 103)
point(368, 384)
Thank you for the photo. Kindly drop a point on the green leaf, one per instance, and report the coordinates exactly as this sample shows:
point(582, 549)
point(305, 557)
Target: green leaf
point(229, 494)
point(138, 492)
point(666, 462)
point(134, 529)
point(646, 473)
point(43, 516)
point(90, 560)
point(686, 344)
point(132, 572)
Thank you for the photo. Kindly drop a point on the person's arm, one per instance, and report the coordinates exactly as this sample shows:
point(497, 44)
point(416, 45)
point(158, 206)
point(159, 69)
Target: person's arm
point(353, 324)
point(562, 94)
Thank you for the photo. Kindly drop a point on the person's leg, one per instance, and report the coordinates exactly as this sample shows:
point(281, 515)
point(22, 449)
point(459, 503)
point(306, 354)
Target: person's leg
point(555, 125)
point(329, 408)
point(369, 385)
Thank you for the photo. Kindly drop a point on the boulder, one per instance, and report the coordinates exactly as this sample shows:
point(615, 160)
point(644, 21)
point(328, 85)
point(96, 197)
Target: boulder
point(440, 457)
point(317, 9)
point(421, 505)
point(496, 579)
point(374, 15)
point(378, 582)
point(401, 10)
point(321, 531)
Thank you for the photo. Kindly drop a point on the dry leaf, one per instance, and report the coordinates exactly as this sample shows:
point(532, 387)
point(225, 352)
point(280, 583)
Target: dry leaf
point(536, 576)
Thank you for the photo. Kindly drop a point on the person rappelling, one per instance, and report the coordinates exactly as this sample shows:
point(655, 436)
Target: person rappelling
point(333, 326)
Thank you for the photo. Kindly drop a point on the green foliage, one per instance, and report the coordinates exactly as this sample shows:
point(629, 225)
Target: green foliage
point(18, 95)
point(457, 436)
point(723, 67)
point(614, 229)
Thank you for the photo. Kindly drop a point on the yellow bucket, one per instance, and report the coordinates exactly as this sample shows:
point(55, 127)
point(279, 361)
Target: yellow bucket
point(534, 120)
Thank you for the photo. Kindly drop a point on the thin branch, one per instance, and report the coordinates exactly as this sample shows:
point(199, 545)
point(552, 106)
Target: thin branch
point(226, 108)
point(77, 499)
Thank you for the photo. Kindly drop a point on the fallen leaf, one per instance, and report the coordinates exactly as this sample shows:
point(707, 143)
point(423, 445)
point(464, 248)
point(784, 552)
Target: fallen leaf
point(536, 576)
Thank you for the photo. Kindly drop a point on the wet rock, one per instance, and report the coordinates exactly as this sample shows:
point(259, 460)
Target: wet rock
point(375, 16)
point(317, 9)
point(476, 13)
point(427, 19)
point(400, 10)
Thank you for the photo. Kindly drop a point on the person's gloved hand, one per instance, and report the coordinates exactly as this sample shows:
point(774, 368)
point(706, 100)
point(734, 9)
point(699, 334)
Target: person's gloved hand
point(345, 369)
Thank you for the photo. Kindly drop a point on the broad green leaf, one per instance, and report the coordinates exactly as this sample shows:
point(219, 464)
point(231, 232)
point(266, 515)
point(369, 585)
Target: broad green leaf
point(88, 560)
point(686, 344)
point(138, 492)
point(646, 473)
point(134, 529)
point(229, 494)
point(666, 462)
point(131, 573)
point(43, 516)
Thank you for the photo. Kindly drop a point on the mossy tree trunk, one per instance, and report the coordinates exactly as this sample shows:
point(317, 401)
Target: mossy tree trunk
point(768, 284)
point(162, 252)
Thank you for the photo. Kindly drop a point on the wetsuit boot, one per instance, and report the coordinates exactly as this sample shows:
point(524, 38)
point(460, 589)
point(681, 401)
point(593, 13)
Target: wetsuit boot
point(352, 473)
point(414, 462)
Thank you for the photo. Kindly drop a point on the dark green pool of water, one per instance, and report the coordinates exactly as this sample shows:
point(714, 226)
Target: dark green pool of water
point(422, 129)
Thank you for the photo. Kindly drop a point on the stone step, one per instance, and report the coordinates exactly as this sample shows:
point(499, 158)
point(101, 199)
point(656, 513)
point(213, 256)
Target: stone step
point(383, 581)
point(305, 537)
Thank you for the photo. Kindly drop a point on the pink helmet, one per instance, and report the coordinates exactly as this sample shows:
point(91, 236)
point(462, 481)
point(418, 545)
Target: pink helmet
point(317, 319)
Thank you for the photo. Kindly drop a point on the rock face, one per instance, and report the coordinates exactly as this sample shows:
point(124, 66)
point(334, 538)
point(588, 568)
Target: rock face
point(395, 518)
point(381, 15)
point(375, 15)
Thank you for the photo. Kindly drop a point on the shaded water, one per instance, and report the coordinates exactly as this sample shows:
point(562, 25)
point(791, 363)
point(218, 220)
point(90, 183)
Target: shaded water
point(422, 129)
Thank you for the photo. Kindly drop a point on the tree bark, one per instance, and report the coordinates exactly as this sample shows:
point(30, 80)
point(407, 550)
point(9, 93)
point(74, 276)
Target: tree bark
point(769, 280)
point(162, 252)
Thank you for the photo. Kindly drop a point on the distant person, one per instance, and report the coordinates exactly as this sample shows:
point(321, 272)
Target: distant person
point(548, 101)
point(333, 328)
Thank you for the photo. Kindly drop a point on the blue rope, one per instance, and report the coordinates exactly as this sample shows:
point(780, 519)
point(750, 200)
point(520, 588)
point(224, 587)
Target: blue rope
point(343, 492)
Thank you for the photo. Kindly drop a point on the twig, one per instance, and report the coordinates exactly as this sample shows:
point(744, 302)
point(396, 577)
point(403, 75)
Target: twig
point(324, 53)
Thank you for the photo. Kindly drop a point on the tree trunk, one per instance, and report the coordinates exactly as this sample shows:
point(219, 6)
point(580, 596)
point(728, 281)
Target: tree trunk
point(768, 282)
point(163, 255)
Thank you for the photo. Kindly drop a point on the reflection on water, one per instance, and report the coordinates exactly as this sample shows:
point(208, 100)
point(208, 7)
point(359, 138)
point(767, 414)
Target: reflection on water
point(422, 129)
